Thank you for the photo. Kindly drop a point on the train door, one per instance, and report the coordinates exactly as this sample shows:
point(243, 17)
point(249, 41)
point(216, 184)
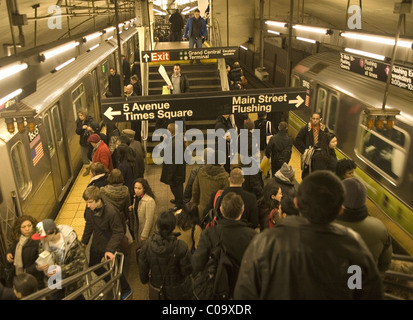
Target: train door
point(96, 98)
point(57, 150)
point(327, 106)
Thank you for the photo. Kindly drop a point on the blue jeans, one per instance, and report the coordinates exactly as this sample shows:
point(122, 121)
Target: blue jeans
point(197, 43)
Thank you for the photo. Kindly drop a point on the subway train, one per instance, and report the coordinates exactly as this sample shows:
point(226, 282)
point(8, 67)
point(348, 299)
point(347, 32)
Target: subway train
point(381, 147)
point(38, 167)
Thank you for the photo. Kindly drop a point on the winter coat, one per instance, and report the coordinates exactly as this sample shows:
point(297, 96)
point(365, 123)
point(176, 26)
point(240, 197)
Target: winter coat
point(319, 163)
point(279, 149)
point(183, 83)
point(106, 227)
point(374, 233)
point(305, 137)
point(30, 252)
point(209, 180)
point(153, 264)
point(301, 260)
point(118, 195)
point(173, 173)
point(99, 180)
point(288, 187)
point(235, 235)
point(188, 28)
point(143, 219)
point(102, 154)
point(114, 85)
point(74, 257)
point(83, 133)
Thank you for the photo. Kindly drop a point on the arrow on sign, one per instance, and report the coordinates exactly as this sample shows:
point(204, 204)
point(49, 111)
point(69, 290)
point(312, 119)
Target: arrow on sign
point(146, 57)
point(109, 113)
point(297, 102)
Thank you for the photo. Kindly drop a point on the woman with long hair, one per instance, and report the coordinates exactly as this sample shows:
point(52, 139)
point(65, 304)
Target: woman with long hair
point(165, 261)
point(22, 254)
point(188, 225)
point(142, 217)
point(324, 157)
point(269, 204)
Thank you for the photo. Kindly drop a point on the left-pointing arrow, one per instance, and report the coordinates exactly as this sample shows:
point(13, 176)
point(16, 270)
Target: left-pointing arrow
point(109, 113)
point(297, 102)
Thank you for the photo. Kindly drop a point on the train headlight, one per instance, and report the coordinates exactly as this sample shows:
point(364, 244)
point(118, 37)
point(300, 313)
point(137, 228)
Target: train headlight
point(10, 124)
point(380, 122)
point(390, 122)
point(20, 125)
point(30, 124)
point(370, 122)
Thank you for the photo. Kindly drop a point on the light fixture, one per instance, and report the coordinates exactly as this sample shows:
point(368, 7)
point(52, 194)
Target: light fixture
point(64, 64)
point(376, 39)
point(30, 124)
point(366, 54)
point(245, 48)
point(92, 36)
point(274, 32)
point(20, 124)
point(10, 124)
point(107, 30)
point(94, 47)
point(110, 38)
point(12, 69)
point(189, 10)
point(160, 12)
point(120, 25)
point(58, 50)
point(313, 29)
point(276, 24)
point(10, 96)
point(306, 40)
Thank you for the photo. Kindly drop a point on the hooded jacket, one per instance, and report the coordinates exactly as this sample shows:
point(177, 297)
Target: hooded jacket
point(153, 264)
point(210, 179)
point(301, 260)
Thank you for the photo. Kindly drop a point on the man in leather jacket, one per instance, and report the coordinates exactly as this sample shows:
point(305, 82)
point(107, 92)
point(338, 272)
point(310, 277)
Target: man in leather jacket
point(309, 256)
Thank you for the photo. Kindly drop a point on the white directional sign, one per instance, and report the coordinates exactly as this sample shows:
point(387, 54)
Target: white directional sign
point(209, 106)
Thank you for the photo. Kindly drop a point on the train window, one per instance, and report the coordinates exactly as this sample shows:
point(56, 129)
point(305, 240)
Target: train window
point(105, 74)
point(332, 112)
point(20, 168)
point(79, 99)
point(57, 127)
point(384, 149)
point(48, 129)
point(321, 101)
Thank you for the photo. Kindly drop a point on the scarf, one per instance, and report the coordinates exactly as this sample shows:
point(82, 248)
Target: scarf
point(18, 259)
point(354, 215)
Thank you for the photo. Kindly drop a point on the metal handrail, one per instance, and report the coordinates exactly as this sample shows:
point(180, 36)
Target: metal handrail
point(115, 271)
point(398, 280)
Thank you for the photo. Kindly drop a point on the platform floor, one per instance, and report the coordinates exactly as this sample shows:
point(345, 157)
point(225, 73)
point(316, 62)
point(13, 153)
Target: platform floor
point(72, 213)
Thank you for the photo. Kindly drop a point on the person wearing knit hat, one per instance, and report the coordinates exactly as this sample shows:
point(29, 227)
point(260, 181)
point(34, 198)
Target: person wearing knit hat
point(93, 138)
point(101, 152)
point(285, 177)
point(371, 229)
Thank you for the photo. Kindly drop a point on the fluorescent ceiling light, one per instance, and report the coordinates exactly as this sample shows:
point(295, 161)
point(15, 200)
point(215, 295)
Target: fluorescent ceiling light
point(92, 36)
point(120, 25)
point(94, 47)
point(107, 30)
point(311, 29)
point(306, 39)
point(110, 38)
point(377, 39)
point(58, 50)
point(10, 96)
point(273, 32)
point(64, 64)
point(160, 12)
point(12, 69)
point(245, 48)
point(366, 54)
point(189, 10)
point(276, 24)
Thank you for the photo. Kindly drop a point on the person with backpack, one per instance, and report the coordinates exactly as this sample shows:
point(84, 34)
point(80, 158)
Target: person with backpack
point(219, 253)
point(279, 148)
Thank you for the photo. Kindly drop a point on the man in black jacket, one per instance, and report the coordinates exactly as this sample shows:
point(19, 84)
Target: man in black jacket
point(279, 148)
point(177, 24)
point(180, 83)
point(309, 256)
point(114, 83)
point(232, 231)
point(310, 133)
point(104, 222)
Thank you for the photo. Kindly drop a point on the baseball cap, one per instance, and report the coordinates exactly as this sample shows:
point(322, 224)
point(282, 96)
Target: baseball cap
point(44, 228)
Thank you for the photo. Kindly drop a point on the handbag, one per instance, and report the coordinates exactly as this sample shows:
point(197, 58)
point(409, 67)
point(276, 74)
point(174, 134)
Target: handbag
point(265, 166)
point(157, 293)
point(268, 132)
point(244, 81)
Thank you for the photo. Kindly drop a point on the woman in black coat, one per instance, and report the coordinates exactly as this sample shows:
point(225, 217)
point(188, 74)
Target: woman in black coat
point(23, 252)
point(165, 260)
point(82, 122)
point(324, 157)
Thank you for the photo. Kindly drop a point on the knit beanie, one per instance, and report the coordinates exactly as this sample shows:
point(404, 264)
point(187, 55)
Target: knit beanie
point(356, 193)
point(94, 138)
point(287, 171)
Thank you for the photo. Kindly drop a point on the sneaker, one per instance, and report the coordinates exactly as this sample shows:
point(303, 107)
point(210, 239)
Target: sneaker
point(126, 295)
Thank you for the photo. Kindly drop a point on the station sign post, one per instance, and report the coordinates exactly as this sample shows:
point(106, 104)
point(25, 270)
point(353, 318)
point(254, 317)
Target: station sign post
point(209, 106)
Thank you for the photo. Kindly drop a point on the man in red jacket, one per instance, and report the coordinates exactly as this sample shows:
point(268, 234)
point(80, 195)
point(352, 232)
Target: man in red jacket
point(100, 151)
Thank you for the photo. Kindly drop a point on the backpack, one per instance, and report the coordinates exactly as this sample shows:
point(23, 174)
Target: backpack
point(217, 280)
point(210, 218)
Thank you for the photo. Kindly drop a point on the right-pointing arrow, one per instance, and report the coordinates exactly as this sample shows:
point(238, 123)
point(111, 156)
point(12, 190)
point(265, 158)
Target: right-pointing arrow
point(297, 102)
point(109, 113)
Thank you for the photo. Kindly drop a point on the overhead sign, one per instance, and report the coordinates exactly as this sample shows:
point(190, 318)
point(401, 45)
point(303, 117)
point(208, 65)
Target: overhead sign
point(207, 107)
point(189, 54)
point(401, 77)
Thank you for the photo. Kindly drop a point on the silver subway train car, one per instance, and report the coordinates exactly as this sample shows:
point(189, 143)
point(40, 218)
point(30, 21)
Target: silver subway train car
point(37, 168)
point(380, 147)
